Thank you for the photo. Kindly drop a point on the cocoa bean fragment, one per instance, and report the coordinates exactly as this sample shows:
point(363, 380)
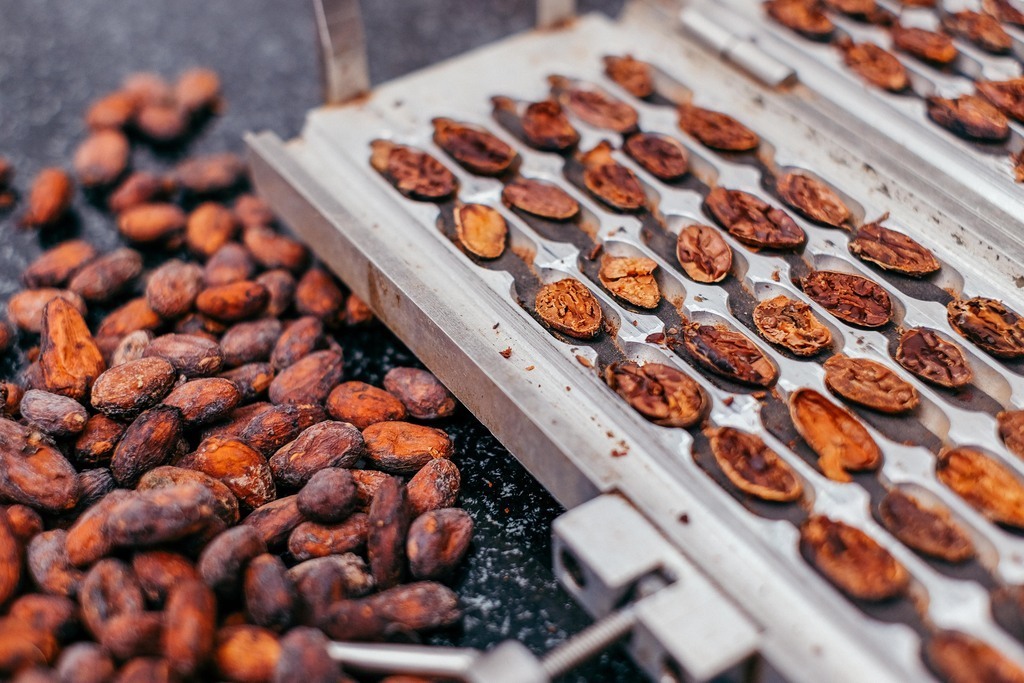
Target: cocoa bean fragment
point(159, 572)
point(252, 380)
point(853, 561)
point(304, 658)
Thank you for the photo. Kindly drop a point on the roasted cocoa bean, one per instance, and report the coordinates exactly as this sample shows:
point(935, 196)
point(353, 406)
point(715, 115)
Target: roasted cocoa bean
point(322, 581)
point(101, 158)
point(47, 561)
point(927, 528)
point(173, 288)
point(414, 607)
point(791, 324)
point(413, 172)
point(568, 307)
point(53, 414)
point(246, 653)
point(270, 597)
point(990, 324)
point(275, 520)
point(69, 357)
point(437, 543)
point(273, 250)
point(205, 400)
point(33, 472)
point(281, 286)
point(753, 222)
point(661, 156)
point(717, 130)
point(611, 182)
point(474, 147)
point(251, 380)
point(813, 199)
point(853, 561)
point(313, 539)
point(239, 467)
point(49, 198)
point(729, 353)
point(984, 483)
point(159, 572)
point(124, 391)
point(435, 486)
point(229, 264)
point(55, 266)
point(210, 173)
point(141, 187)
point(326, 444)
point(132, 316)
point(151, 223)
point(752, 466)
point(190, 623)
point(869, 384)
point(168, 476)
point(842, 443)
point(160, 515)
point(309, 380)
point(632, 75)
point(208, 228)
point(85, 662)
point(388, 524)
point(198, 89)
point(133, 634)
point(329, 496)
point(25, 308)
point(363, 405)
point(481, 230)
point(934, 359)
point(191, 355)
point(631, 279)
point(595, 106)
point(223, 560)
point(85, 542)
point(109, 589)
point(249, 342)
point(851, 298)
point(806, 18)
point(304, 658)
point(703, 253)
point(233, 302)
point(540, 198)
point(892, 250)
point(403, 448)
point(875, 65)
point(662, 394)
point(148, 442)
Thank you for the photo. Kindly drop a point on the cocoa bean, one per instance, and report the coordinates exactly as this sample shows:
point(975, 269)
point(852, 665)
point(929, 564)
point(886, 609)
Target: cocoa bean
point(325, 444)
point(329, 496)
point(388, 523)
point(125, 390)
point(363, 405)
point(52, 414)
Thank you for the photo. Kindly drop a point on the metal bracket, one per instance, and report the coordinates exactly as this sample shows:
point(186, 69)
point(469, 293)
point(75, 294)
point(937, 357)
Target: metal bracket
point(607, 554)
point(343, 57)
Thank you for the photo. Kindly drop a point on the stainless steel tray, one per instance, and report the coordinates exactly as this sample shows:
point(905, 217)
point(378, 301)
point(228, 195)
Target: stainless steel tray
point(738, 589)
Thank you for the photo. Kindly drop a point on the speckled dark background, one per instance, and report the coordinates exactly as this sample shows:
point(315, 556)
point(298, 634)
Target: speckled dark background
point(56, 55)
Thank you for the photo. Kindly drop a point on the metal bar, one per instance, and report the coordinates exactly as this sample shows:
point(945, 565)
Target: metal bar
point(343, 56)
point(393, 658)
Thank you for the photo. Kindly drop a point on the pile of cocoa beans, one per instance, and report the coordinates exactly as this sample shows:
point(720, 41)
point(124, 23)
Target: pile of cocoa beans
point(189, 488)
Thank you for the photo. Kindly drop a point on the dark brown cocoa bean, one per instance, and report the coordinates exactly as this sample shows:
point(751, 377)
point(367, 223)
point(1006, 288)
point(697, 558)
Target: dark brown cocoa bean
point(25, 522)
point(301, 338)
point(280, 285)
point(204, 400)
point(313, 539)
point(304, 658)
point(85, 662)
point(271, 429)
point(48, 564)
point(322, 581)
point(329, 496)
point(33, 472)
point(145, 670)
point(141, 187)
point(167, 476)
point(159, 572)
point(438, 541)
point(210, 173)
point(223, 560)
point(148, 442)
point(109, 589)
point(54, 614)
point(325, 444)
point(388, 523)
point(160, 515)
point(250, 342)
point(94, 485)
point(95, 445)
point(133, 634)
point(422, 394)
point(270, 596)
point(246, 653)
point(275, 520)
point(367, 483)
point(190, 623)
point(85, 541)
point(414, 607)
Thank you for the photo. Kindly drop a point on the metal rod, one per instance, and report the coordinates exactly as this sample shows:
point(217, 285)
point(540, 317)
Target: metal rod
point(404, 659)
point(588, 643)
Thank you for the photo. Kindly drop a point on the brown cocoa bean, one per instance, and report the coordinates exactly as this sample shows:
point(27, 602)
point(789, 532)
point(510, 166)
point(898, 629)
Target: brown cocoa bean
point(49, 198)
point(159, 572)
point(33, 472)
point(22, 647)
point(435, 486)
point(25, 308)
point(236, 421)
point(52, 414)
point(113, 110)
point(48, 564)
point(269, 593)
point(109, 589)
point(69, 357)
point(131, 347)
point(235, 301)
point(325, 444)
point(253, 211)
point(273, 250)
point(162, 123)
point(357, 312)
point(94, 484)
point(124, 391)
point(145, 670)
point(85, 541)
point(167, 476)
point(210, 173)
point(85, 662)
point(388, 524)
point(271, 429)
point(132, 316)
point(250, 342)
point(210, 226)
point(153, 222)
point(173, 288)
point(197, 89)
point(275, 520)
point(304, 658)
point(10, 559)
point(56, 265)
point(54, 614)
point(246, 654)
point(252, 380)
point(141, 187)
point(414, 607)
point(222, 561)
point(438, 541)
point(367, 483)
point(160, 515)
point(205, 400)
point(329, 496)
point(301, 338)
point(363, 405)
point(95, 445)
point(190, 623)
point(422, 394)
point(229, 264)
point(190, 355)
point(133, 634)
point(309, 380)
point(280, 285)
point(102, 158)
point(25, 522)
point(148, 442)
point(318, 295)
point(403, 448)
point(239, 467)
point(313, 539)
point(322, 581)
